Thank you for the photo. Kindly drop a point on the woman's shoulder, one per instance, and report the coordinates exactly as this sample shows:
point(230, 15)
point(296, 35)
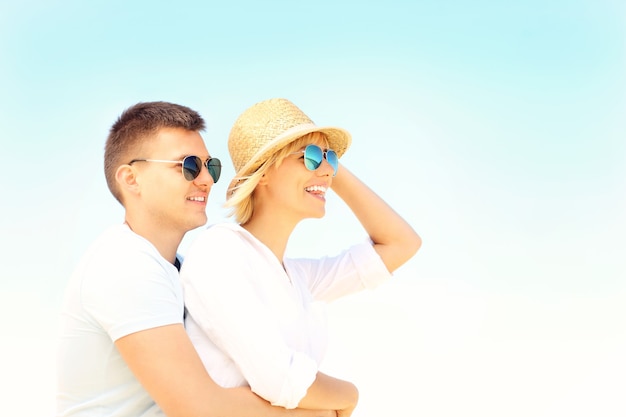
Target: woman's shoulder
point(223, 228)
point(220, 237)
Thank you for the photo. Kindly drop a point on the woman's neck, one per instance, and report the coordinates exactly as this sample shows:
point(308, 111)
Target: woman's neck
point(272, 231)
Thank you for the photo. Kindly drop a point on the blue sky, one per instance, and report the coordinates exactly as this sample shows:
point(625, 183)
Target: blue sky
point(496, 128)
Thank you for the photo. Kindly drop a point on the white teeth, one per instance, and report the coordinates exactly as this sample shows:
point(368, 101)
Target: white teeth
point(201, 199)
point(316, 188)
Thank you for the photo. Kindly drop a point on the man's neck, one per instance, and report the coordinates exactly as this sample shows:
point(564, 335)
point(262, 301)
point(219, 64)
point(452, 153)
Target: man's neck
point(166, 242)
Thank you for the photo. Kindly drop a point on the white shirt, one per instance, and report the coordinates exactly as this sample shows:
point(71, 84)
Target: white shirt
point(121, 286)
point(255, 323)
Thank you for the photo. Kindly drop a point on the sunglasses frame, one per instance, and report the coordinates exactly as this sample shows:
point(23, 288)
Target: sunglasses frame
point(307, 157)
point(190, 177)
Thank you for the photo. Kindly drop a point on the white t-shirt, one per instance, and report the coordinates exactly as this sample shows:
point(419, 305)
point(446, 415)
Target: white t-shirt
point(255, 323)
point(121, 286)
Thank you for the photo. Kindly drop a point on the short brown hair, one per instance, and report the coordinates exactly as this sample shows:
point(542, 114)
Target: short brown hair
point(136, 124)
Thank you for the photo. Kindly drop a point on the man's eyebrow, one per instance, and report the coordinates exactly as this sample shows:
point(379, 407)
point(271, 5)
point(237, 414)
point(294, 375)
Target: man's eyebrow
point(183, 156)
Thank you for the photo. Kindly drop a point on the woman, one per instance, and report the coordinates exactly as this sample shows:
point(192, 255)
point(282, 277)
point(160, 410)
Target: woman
point(254, 316)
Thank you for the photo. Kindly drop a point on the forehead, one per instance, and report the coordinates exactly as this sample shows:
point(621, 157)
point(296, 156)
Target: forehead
point(177, 143)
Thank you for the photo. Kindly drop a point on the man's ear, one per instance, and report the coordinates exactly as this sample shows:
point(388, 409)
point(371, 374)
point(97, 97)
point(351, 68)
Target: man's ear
point(128, 179)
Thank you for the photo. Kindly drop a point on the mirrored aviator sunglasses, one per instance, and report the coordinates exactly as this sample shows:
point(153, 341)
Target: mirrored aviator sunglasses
point(313, 156)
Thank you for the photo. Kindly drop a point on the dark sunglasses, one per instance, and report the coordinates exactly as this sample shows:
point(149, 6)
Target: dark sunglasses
point(313, 156)
point(192, 165)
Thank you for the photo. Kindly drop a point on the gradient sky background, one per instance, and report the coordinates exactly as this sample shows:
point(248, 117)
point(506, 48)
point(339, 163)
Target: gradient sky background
point(498, 129)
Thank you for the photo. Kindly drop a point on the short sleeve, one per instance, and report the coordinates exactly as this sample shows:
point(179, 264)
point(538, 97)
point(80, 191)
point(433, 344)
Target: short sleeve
point(144, 289)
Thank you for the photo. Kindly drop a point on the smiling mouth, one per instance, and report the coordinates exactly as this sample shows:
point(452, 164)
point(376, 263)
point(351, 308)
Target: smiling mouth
point(199, 199)
point(316, 189)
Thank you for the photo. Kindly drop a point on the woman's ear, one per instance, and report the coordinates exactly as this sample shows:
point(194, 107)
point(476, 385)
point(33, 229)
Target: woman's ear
point(263, 180)
point(127, 179)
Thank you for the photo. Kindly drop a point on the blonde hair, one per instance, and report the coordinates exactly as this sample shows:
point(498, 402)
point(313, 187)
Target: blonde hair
point(241, 198)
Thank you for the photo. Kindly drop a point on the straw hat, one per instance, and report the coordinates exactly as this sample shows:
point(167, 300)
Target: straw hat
point(268, 126)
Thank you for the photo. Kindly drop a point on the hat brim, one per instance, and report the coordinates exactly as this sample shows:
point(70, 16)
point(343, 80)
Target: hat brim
point(339, 140)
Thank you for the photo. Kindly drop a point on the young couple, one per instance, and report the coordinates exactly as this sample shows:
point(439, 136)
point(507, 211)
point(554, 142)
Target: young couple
point(248, 338)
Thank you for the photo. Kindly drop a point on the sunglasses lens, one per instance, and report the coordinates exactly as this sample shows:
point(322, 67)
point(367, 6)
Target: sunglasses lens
point(214, 166)
point(191, 167)
point(333, 160)
point(313, 157)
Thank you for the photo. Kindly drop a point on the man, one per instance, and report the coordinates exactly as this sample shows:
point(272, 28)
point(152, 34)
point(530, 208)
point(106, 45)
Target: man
point(123, 349)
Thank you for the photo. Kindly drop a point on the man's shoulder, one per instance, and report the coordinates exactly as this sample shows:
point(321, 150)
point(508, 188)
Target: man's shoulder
point(120, 246)
point(119, 238)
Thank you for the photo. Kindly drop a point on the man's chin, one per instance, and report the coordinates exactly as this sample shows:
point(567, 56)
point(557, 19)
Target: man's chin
point(199, 222)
